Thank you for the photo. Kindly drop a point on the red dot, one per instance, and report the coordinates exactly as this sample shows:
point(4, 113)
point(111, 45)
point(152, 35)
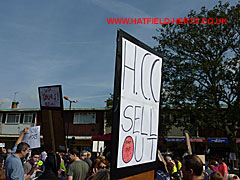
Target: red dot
point(128, 149)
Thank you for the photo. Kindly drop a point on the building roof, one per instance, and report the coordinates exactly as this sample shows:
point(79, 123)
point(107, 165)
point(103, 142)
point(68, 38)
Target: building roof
point(65, 109)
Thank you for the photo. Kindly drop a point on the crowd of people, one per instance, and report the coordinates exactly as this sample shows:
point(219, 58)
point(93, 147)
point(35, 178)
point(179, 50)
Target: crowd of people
point(192, 168)
point(22, 163)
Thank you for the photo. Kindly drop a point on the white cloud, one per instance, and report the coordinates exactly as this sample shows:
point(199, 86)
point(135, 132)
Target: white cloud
point(123, 10)
point(5, 103)
point(120, 8)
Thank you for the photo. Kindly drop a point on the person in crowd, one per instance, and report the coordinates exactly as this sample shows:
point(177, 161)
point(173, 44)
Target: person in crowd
point(78, 169)
point(13, 167)
point(94, 168)
point(103, 174)
point(216, 176)
point(222, 168)
point(192, 167)
point(88, 159)
point(178, 163)
point(63, 169)
point(97, 154)
point(62, 164)
point(2, 171)
point(43, 156)
point(52, 166)
point(9, 151)
point(83, 155)
point(172, 168)
point(31, 166)
point(161, 172)
point(213, 165)
point(208, 171)
point(3, 156)
point(97, 165)
point(65, 159)
point(108, 156)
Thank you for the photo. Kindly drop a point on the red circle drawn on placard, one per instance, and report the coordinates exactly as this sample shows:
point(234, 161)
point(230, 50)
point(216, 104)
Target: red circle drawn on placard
point(128, 149)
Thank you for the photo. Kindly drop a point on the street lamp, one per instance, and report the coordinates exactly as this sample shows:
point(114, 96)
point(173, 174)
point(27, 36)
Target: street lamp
point(70, 106)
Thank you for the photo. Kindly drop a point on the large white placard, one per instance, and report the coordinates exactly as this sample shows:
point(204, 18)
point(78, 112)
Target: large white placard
point(139, 105)
point(50, 96)
point(32, 137)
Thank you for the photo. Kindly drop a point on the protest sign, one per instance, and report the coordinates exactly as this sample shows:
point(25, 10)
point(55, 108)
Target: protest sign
point(51, 103)
point(136, 106)
point(98, 146)
point(32, 137)
point(50, 97)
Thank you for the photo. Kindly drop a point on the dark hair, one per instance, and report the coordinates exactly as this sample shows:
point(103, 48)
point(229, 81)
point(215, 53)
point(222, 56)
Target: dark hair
point(103, 174)
point(22, 147)
point(52, 162)
point(193, 162)
point(73, 151)
point(35, 152)
point(96, 165)
point(216, 176)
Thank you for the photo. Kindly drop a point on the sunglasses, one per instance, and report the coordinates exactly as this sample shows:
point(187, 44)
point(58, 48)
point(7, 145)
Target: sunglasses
point(102, 167)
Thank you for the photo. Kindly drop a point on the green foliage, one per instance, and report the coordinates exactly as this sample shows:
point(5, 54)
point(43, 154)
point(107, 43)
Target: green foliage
point(201, 69)
point(109, 104)
point(109, 101)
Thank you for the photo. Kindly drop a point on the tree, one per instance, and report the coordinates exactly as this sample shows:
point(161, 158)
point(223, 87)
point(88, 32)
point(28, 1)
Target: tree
point(109, 104)
point(201, 70)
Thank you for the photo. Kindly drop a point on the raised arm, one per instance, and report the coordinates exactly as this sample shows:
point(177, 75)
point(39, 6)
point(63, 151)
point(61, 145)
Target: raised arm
point(19, 140)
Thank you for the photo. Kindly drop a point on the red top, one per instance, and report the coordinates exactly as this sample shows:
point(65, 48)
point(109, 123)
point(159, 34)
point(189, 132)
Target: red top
point(223, 168)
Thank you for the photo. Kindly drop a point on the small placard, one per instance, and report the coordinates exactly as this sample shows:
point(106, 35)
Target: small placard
point(32, 137)
point(50, 97)
point(98, 146)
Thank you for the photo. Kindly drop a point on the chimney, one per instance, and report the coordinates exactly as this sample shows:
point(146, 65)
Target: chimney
point(14, 104)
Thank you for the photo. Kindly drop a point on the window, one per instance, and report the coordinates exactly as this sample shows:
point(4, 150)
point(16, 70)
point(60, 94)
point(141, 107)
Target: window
point(84, 118)
point(28, 117)
point(1, 115)
point(13, 118)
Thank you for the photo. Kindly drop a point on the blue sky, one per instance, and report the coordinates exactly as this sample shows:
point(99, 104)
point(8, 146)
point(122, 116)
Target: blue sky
point(69, 42)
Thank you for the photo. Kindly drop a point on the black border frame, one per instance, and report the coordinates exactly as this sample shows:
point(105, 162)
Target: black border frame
point(61, 98)
point(118, 173)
